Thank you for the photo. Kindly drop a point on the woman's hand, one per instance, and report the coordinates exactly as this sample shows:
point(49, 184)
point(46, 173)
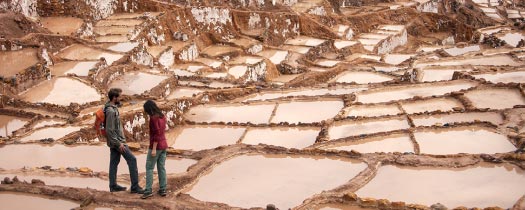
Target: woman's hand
point(153, 153)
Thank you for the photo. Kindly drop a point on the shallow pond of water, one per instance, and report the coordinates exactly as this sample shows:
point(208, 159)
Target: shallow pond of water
point(259, 113)
point(495, 98)
point(62, 25)
point(463, 140)
point(409, 91)
point(198, 137)
point(430, 105)
point(507, 77)
point(8, 124)
point(281, 180)
point(373, 110)
point(137, 82)
point(50, 132)
point(294, 112)
point(93, 157)
point(73, 67)
point(477, 186)
point(355, 128)
point(391, 143)
point(429, 120)
point(14, 62)
point(66, 181)
point(61, 91)
point(285, 137)
point(12, 200)
point(362, 77)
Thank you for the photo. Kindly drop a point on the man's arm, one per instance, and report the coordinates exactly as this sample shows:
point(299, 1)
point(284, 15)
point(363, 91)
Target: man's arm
point(111, 127)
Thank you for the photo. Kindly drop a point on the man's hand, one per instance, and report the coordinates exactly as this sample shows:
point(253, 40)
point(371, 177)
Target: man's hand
point(122, 149)
point(153, 153)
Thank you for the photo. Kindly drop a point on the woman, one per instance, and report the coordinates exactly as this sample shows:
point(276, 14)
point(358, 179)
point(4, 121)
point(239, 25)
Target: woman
point(157, 149)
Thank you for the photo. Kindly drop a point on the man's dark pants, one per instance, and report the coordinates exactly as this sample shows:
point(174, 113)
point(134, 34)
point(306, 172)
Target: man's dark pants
point(132, 165)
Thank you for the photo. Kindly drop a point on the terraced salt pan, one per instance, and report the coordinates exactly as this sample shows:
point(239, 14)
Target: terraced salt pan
point(410, 91)
point(386, 68)
point(119, 22)
point(50, 122)
point(432, 75)
point(374, 36)
point(66, 181)
point(238, 71)
point(182, 73)
point(217, 75)
point(108, 30)
point(305, 41)
point(132, 15)
point(275, 56)
point(504, 77)
point(298, 138)
point(495, 98)
point(478, 186)
point(245, 60)
point(498, 60)
point(8, 124)
point(284, 78)
point(345, 129)
point(362, 77)
point(455, 51)
point(429, 120)
point(12, 200)
point(213, 84)
point(513, 38)
point(392, 143)
point(198, 138)
point(268, 95)
point(62, 25)
point(51, 132)
point(463, 140)
point(297, 49)
point(396, 59)
point(14, 62)
point(219, 50)
point(294, 112)
point(259, 113)
point(213, 63)
point(267, 176)
point(137, 82)
point(122, 47)
point(54, 156)
point(82, 52)
point(112, 38)
point(430, 105)
point(372, 110)
point(184, 92)
point(327, 63)
point(73, 67)
point(156, 50)
point(61, 91)
point(340, 44)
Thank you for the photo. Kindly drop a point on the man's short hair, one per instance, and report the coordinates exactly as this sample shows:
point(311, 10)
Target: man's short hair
point(114, 92)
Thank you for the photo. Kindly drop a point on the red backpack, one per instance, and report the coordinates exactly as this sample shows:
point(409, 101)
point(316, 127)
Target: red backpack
point(100, 122)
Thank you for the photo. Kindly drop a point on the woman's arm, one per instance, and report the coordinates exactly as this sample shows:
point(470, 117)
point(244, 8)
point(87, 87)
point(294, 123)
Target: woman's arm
point(154, 149)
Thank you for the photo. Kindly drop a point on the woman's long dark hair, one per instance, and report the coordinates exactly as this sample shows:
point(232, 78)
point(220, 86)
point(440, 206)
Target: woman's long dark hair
point(151, 108)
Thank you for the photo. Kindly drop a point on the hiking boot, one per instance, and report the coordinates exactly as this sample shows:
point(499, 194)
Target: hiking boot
point(117, 188)
point(146, 195)
point(163, 193)
point(138, 191)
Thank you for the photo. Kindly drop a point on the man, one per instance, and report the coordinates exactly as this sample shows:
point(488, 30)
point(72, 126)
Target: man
point(117, 144)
